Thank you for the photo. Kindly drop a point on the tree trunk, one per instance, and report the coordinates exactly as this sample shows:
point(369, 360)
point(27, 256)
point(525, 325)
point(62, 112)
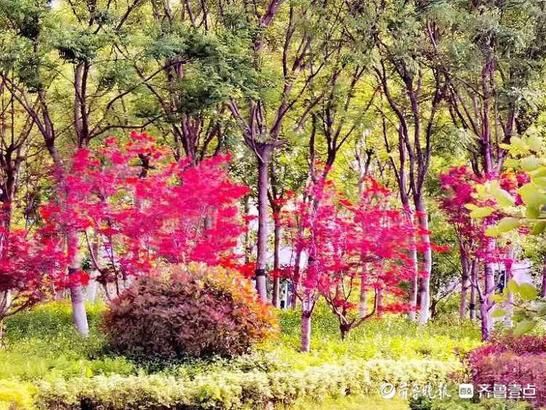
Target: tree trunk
point(485, 321)
point(247, 245)
point(424, 288)
point(363, 301)
point(489, 289)
point(92, 287)
point(263, 185)
point(465, 283)
point(508, 323)
point(275, 298)
point(379, 303)
point(79, 315)
point(473, 284)
point(543, 288)
point(414, 288)
point(305, 336)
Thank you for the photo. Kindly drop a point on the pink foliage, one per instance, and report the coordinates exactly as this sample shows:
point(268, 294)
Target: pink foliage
point(349, 246)
point(148, 208)
point(31, 266)
point(512, 360)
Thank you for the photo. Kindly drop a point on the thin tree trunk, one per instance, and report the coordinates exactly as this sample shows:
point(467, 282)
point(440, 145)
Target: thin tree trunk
point(424, 289)
point(414, 285)
point(77, 297)
point(263, 185)
point(543, 288)
point(247, 245)
point(379, 303)
point(363, 301)
point(485, 321)
point(305, 337)
point(473, 293)
point(508, 323)
point(275, 299)
point(91, 291)
point(465, 282)
point(2, 330)
point(489, 289)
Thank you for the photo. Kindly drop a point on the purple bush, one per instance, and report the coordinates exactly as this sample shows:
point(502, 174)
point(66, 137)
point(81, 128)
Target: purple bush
point(512, 361)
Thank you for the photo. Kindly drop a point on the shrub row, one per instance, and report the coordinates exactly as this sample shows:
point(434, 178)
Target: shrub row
point(235, 390)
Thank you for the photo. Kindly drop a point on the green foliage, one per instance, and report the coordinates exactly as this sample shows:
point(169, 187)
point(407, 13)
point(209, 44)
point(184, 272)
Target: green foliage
point(42, 343)
point(232, 390)
point(16, 395)
point(390, 337)
point(459, 404)
point(43, 349)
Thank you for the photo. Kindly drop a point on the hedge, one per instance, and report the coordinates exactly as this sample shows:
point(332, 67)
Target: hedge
point(235, 390)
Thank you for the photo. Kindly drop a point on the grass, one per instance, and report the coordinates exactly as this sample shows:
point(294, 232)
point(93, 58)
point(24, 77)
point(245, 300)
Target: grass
point(390, 338)
point(42, 345)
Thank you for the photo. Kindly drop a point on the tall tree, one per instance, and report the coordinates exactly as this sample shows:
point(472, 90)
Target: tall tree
point(493, 63)
point(414, 85)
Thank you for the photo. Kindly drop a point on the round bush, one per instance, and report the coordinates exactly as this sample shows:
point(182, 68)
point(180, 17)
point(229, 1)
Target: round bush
point(197, 313)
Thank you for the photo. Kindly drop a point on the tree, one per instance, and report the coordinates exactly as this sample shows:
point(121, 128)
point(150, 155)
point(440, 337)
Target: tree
point(414, 85)
point(523, 209)
point(148, 208)
point(472, 217)
point(350, 249)
point(304, 54)
point(459, 184)
point(492, 64)
point(31, 266)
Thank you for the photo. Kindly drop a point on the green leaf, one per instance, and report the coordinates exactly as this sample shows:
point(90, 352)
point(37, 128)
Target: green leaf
point(503, 198)
point(538, 173)
point(530, 163)
point(498, 297)
point(541, 182)
point(538, 228)
point(492, 232)
point(507, 224)
point(470, 207)
point(531, 195)
point(512, 286)
point(532, 212)
point(517, 145)
point(498, 313)
point(523, 327)
point(535, 143)
point(482, 212)
point(511, 163)
point(527, 291)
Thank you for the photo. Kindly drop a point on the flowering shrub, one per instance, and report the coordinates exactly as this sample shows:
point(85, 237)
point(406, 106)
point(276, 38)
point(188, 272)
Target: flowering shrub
point(197, 312)
point(512, 360)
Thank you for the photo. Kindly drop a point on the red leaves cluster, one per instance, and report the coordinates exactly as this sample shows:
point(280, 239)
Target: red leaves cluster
point(459, 185)
point(30, 267)
point(148, 208)
point(349, 246)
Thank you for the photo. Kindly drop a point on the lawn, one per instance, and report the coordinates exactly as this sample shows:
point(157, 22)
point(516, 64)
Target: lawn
point(42, 349)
